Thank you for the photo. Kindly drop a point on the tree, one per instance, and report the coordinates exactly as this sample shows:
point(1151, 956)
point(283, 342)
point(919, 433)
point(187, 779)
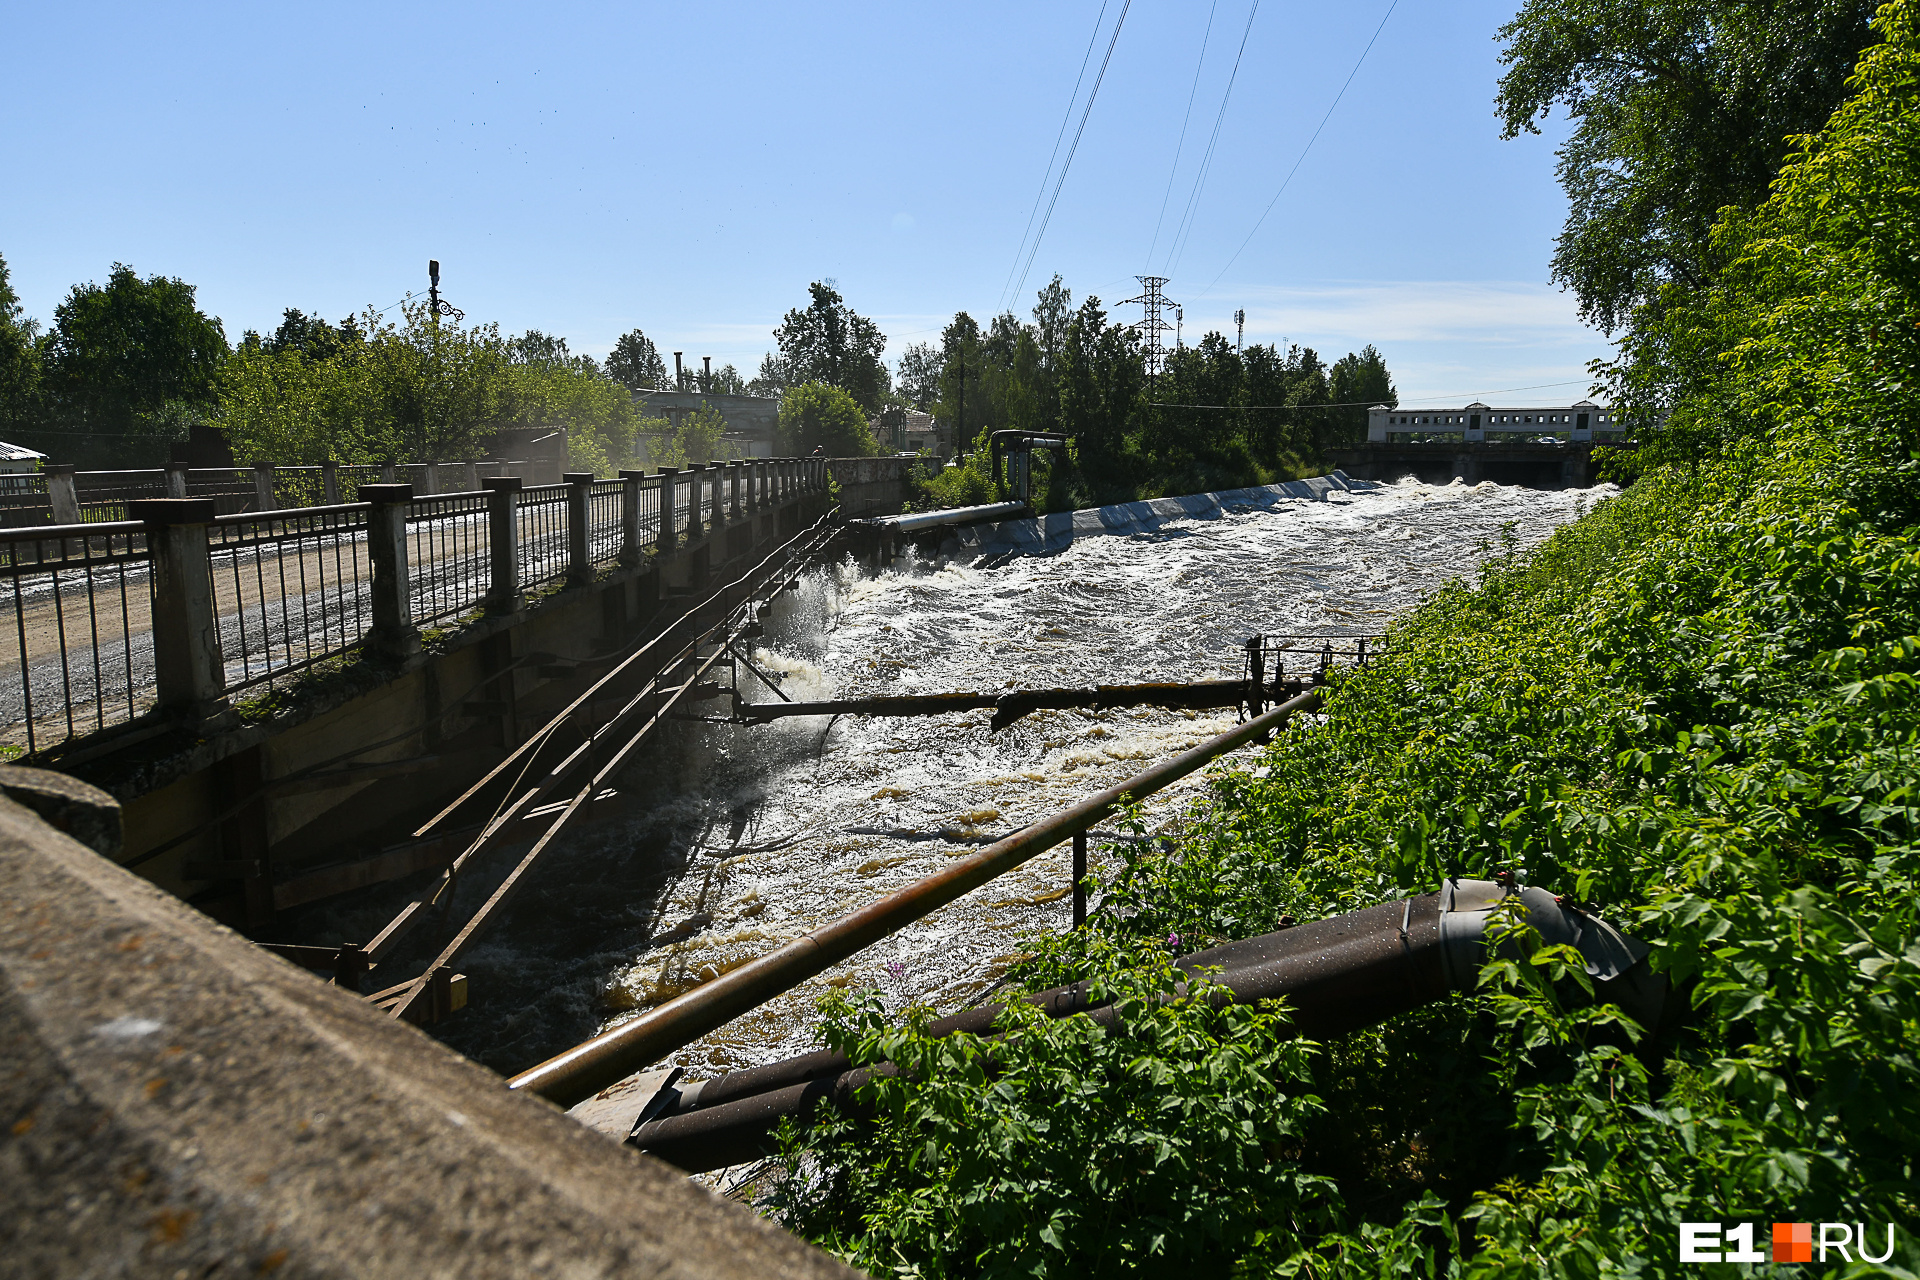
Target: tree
point(1051, 314)
point(314, 337)
point(19, 356)
point(1681, 108)
point(636, 363)
point(1356, 382)
point(772, 378)
point(919, 376)
point(829, 343)
point(121, 352)
point(962, 399)
point(817, 416)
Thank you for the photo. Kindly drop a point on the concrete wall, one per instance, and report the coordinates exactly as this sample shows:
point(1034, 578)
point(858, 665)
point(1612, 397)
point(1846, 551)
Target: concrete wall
point(873, 486)
point(1535, 467)
point(178, 1102)
point(213, 821)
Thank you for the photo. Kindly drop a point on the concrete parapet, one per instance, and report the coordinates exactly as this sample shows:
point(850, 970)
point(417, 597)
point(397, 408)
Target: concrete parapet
point(182, 1103)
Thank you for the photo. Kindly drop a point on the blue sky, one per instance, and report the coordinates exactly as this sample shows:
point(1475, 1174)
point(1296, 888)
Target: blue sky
point(586, 169)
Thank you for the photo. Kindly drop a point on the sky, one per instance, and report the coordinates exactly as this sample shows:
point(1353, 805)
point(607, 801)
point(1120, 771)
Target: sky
point(588, 169)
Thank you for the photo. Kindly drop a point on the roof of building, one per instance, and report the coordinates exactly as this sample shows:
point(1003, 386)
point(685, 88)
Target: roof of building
point(17, 452)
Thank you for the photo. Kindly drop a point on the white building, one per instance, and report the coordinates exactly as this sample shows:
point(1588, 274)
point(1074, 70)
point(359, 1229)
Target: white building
point(1479, 423)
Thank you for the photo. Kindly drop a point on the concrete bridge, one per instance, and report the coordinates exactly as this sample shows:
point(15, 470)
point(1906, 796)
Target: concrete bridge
point(269, 694)
point(1567, 465)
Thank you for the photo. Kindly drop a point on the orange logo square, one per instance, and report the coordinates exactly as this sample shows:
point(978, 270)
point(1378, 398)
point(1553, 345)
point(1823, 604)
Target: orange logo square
point(1793, 1242)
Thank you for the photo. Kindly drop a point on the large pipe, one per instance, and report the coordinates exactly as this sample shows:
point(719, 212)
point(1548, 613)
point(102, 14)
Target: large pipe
point(585, 1069)
point(1197, 695)
point(941, 519)
point(1337, 975)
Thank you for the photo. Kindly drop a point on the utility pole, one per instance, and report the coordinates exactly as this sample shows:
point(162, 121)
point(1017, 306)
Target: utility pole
point(1240, 324)
point(1153, 356)
point(706, 379)
point(435, 306)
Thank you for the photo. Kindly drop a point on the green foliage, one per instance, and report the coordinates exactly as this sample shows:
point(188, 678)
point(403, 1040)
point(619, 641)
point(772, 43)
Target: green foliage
point(1061, 1147)
point(132, 360)
point(1698, 706)
point(635, 362)
point(19, 359)
point(829, 343)
point(1681, 108)
point(424, 388)
point(696, 440)
point(817, 416)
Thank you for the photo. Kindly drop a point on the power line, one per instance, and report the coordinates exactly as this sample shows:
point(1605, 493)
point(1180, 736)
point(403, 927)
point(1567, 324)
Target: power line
point(1038, 196)
point(1355, 404)
point(1181, 144)
point(1185, 232)
point(1092, 94)
point(1303, 151)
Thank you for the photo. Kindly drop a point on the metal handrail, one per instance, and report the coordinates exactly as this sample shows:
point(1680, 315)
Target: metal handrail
point(585, 1069)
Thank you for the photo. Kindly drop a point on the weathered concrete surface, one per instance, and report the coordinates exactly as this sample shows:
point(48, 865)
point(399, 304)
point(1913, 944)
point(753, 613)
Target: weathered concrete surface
point(174, 1102)
point(67, 804)
point(873, 486)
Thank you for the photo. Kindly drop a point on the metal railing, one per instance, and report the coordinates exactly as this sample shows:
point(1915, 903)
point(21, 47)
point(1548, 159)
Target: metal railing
point(249, 600)
point(290, 589)
point(447, 555)
point(81, 656)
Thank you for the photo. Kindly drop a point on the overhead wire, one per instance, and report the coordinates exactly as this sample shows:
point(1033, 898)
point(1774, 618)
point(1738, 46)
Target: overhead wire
point(1092, 95)
point(1185, 231)
point(1006, 290)
point(1304, 150)
point(1181, 144)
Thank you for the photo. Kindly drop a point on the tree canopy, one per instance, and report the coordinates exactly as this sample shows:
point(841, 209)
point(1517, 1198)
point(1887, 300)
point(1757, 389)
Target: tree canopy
point(828, 342)
point(635, 362)
point(814, 415)
point(119, 353)
point(1681, 108)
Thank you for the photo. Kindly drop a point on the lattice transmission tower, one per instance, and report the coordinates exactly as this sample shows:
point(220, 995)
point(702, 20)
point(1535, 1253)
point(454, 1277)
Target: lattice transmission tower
point(1153, 354)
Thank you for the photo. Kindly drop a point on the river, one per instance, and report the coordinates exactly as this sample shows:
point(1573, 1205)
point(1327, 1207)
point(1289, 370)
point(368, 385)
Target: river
point(728, 840)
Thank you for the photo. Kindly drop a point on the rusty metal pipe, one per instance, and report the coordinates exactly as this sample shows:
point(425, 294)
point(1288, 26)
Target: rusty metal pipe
point(1337, 975)
point(585, 1069)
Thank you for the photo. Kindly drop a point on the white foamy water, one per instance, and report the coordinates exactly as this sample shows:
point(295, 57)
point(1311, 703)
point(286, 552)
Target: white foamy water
point(729, 840)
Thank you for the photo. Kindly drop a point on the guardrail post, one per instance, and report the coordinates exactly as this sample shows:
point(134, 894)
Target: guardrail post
point(473, 478)
point(61, 495)
point(330, 483)
point(579, 527)
point(715, 516)
point(175, 479)
point(630, 518)
point(393, 635)
point(503, 543)
point(263, 486)
point(696, 477)
point(386, 473)
point(429, 479)
point(734, 469)
point(188, 670)
point(669, 481)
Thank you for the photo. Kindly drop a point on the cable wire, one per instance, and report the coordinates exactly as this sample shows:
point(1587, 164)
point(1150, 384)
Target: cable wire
point(1181, 144)
point(1185, 232)
point(1006, 291)
point(1303, 151)
point(1092, 95)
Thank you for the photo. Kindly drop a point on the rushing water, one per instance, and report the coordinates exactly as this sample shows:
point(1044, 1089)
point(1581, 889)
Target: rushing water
point(728, 840)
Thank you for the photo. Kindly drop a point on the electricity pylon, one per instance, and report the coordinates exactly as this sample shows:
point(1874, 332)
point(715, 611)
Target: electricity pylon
point(1153, 355)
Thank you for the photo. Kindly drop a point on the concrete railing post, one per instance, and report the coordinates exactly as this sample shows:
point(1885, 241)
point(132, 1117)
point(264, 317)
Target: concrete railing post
point(429, 479)
point(386, 473)
point(175, 480)
point(734, 470)
point(503, 543)
point(263, 487)
point(716, 516)
point(330, 483)
point(579, 527)
point(393, 634)
point(472, 478)
point(669, 482)
point(189, 673)
point(61, 495)
point(630, 550)
point(696, 481)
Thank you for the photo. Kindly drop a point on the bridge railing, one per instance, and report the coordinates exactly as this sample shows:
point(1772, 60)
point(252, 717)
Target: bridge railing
point(180, 610)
